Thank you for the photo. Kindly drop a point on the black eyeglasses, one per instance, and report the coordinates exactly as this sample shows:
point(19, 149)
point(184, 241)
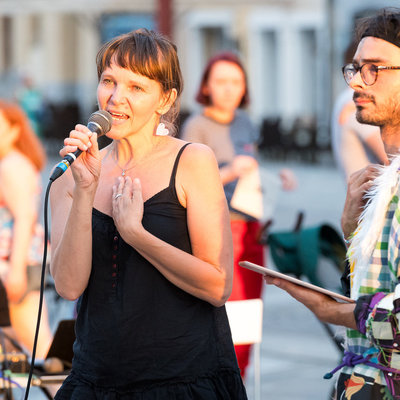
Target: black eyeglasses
point(369, 72)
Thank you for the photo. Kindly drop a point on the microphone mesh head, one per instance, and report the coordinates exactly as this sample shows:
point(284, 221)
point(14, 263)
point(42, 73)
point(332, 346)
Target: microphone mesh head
point(103, 119)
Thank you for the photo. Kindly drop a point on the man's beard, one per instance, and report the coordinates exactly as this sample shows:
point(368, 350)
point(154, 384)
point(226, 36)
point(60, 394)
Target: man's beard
point(362, 115)
point(386, 113)
point(382, 115)
point(369, 118)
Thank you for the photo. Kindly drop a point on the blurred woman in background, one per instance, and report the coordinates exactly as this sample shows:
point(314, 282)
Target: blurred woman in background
point(227, 129)
point(21, 239)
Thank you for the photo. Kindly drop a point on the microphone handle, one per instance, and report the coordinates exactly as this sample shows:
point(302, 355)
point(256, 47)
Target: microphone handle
point(64, 164)
point(71, 157)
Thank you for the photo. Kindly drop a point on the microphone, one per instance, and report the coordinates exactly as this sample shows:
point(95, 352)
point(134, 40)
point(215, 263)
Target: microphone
point(100, 122)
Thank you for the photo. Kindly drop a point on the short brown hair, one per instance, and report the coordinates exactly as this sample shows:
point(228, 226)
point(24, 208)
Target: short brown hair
point(27, 142)
point(203, 98)
point(146, 53)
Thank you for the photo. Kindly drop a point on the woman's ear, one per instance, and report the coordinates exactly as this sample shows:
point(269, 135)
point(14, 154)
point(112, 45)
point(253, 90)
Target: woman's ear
point(167, 101)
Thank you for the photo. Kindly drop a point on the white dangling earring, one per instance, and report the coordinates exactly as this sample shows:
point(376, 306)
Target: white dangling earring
point(162, 130)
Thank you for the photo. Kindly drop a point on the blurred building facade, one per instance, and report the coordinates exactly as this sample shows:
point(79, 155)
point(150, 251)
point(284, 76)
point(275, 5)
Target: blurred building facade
point(292, 49)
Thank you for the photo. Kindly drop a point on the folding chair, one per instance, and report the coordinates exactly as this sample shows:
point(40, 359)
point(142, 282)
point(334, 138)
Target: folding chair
point(245, 319)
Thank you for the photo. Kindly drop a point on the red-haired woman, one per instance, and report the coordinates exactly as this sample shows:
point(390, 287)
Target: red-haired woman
point(226, 128)
point(21, 159)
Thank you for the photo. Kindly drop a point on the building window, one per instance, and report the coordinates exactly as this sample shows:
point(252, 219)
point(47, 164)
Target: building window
point(269, 66)
point(215, 40)
point(36, 29)
point(6, 43)
point(113, 25)
point(308, 71)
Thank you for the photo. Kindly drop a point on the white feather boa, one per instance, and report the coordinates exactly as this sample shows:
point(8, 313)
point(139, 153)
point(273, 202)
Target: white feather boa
point(371, 222)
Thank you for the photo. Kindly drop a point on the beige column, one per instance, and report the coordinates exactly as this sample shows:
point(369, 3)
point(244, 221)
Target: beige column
point(20, 37)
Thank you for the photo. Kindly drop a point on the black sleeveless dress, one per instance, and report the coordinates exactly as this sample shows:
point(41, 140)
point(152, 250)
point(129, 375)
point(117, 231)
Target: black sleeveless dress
point(138, 336)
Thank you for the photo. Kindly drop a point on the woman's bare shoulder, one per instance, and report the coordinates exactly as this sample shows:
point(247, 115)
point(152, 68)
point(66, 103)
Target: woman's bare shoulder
point(197, 152)
point(17, 165)
point(197, 163)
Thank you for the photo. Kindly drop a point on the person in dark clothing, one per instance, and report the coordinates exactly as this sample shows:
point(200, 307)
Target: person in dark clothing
point(141, 237)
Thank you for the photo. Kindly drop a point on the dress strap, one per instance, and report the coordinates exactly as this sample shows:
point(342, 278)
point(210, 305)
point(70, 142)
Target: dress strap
point(173, 174)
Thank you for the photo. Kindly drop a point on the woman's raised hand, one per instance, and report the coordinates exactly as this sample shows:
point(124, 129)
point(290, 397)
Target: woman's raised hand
point(127, 205)
point(86, 168)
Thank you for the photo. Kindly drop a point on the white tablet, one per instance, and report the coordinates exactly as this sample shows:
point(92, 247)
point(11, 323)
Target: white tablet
point(270, 272)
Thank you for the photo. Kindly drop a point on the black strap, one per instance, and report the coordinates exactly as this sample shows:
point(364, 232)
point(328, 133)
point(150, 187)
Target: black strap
point(173, 174)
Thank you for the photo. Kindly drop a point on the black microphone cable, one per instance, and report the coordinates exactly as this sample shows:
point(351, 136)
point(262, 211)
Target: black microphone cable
point(41, 296)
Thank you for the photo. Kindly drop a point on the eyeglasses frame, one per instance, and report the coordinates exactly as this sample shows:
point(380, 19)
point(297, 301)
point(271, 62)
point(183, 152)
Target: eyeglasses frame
point(378, 68)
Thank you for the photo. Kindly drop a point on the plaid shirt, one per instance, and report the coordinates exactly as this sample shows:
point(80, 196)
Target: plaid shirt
point(382, 276)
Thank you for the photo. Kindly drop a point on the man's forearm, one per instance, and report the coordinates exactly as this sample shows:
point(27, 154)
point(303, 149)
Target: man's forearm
point(324, 307)
point(338, 314)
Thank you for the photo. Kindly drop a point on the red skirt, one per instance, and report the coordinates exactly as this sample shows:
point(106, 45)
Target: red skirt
point(246, 284)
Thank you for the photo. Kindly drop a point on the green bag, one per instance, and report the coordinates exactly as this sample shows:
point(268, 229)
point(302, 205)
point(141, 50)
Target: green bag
point(298, 252)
